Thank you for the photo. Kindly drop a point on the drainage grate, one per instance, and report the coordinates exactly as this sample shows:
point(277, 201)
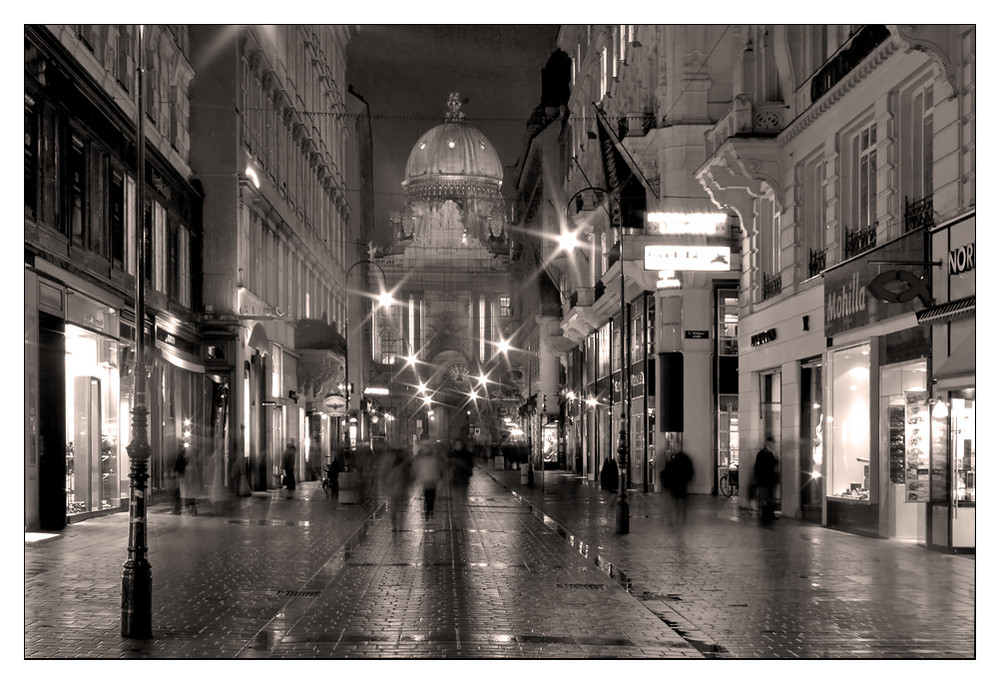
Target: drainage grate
point(595, 587)
point(284, 593)
point(652, 596)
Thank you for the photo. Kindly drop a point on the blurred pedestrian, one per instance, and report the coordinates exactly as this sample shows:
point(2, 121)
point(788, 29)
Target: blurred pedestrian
point(460, 467)
point(288, 466)
point(675, 477)
point(397, 474)
point(765, 475)
point(609, 475)
point(428, 468)
point(182, 493)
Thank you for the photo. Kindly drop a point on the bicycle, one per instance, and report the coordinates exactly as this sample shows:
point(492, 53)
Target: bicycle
point(330, 484)
point(729, 483)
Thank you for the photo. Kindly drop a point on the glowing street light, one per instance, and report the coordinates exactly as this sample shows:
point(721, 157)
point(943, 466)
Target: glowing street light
point(483, 379)
point(503, 346)
point(422, 388)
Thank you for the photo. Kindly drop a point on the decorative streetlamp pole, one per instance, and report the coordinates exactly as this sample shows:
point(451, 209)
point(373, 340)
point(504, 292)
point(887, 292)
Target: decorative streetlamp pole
point(385, 299)
point(621, 505)
point(137, 577)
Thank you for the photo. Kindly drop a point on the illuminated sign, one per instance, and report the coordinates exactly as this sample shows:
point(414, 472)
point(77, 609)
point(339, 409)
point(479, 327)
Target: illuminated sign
point(686, 258)
point(962, 259)
point(381, 391)
point(675, 223)
point(667, 280)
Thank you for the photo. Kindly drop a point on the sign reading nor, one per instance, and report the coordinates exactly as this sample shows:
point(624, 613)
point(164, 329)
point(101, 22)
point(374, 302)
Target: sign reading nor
point(686, 258)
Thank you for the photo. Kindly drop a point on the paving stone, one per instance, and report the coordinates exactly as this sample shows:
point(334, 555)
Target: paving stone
point(510, 571)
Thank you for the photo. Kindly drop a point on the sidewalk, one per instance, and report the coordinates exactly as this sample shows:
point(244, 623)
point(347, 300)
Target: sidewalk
point(788, 589)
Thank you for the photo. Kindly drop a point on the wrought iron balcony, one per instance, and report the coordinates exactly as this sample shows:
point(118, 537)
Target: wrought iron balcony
point(918, 214)
point(817, 261)
point(859, 240)
point(770, 285)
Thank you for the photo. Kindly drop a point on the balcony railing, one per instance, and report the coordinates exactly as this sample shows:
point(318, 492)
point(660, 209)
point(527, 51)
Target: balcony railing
point(770, 285)
point(918, 214)
point(817, 261)
point(859, 240)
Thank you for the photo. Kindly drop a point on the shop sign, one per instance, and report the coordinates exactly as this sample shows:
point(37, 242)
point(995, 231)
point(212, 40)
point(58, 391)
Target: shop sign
point(695, 334)
point(91, 314)
point(901, 286)
point(769, 335)
point(851, 303)
point(962, 259)
point(686, 258)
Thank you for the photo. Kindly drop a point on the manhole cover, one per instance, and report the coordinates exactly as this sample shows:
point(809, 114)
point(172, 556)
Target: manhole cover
point(296, 594)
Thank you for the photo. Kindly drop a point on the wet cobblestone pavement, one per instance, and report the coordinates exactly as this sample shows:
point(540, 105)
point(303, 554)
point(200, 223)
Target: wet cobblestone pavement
point(510, 571)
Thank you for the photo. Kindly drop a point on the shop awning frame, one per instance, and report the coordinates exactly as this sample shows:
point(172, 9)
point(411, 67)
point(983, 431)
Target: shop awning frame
point(949, 311)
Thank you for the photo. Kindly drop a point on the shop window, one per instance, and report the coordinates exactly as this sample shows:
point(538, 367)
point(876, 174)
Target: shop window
point(811, 435)
point(905, 418)
point(848, 467)
point(963, 446)
point(770, 406)
point(93, 448)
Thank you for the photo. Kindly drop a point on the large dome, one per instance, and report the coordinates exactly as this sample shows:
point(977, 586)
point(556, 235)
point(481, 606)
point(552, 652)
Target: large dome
point(452, 152)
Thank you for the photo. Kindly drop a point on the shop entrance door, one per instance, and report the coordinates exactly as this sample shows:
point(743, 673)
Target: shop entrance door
point(83, 478)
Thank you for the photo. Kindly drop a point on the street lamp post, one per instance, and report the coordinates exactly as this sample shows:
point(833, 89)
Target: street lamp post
point(621, 505)
point(137, 576)
point(347, 334)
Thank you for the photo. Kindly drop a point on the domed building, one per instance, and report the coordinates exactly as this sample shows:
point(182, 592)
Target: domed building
point(447, 270)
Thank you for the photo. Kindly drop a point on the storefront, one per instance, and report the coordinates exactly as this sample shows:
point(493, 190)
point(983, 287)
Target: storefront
point(180, 407)
point(952, 515)
point(877, 435)
point(96, 478)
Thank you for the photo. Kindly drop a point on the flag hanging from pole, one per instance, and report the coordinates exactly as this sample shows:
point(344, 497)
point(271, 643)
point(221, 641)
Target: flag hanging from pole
point(622, 176)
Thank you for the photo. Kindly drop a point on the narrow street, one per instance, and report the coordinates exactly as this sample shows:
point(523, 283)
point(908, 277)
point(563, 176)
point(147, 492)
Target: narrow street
point(510, 572)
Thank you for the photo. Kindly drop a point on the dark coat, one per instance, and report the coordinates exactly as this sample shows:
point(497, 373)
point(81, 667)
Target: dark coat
point(765, 468)
point(678, 473)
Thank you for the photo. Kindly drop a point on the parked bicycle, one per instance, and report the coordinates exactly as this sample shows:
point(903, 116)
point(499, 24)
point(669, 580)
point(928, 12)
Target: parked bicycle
point(330, 475)
point(729, 483)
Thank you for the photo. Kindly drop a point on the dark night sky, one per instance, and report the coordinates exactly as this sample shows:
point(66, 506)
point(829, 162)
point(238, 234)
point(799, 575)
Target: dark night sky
point(406, 72)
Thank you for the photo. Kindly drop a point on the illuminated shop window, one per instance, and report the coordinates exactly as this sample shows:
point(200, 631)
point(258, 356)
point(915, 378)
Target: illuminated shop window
point(849, 472)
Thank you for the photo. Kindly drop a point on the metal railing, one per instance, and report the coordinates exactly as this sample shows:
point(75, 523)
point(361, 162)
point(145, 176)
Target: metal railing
point(770, 285)
point(817, 261)
point(859, 240)
point(918, 213)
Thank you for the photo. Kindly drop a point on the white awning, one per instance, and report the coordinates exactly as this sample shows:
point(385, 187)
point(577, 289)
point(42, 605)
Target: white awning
point(961, 361)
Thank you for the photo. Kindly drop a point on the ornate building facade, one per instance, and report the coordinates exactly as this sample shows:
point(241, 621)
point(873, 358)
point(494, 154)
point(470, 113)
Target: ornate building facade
point(848, 153)
point(80, 177)
point(280, 239)
point(438, 343)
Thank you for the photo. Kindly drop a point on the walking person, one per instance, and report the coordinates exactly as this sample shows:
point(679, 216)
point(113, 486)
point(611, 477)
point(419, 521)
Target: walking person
point(182, 494)
point(428, 468)
point(397, 474)
point(460, 467)
point(288, 466)
point(675, 478)
point(765, 475)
